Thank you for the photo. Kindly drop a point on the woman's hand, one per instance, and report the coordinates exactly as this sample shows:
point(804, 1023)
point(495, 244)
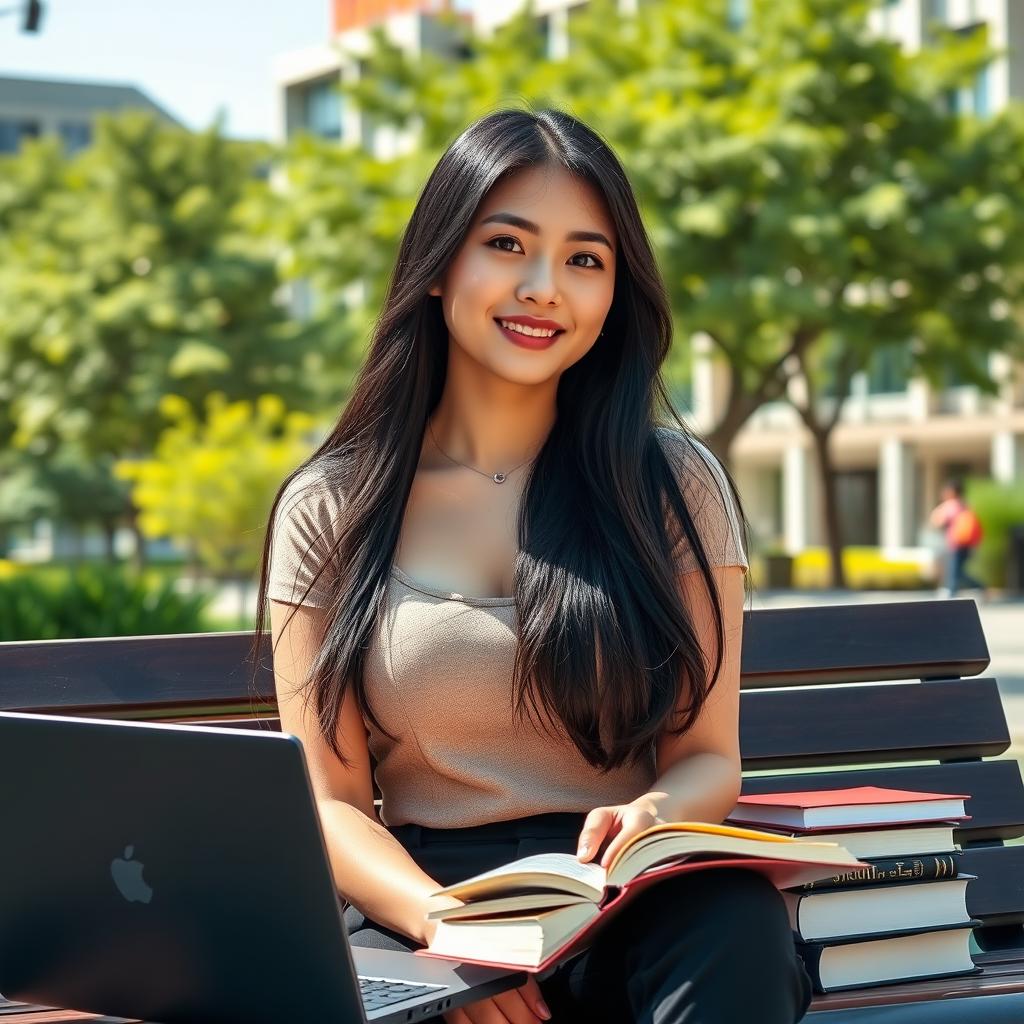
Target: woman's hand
point(614, 826)
point(523, 1005)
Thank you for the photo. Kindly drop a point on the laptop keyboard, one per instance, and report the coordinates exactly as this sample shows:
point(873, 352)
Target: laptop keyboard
point(378, 992)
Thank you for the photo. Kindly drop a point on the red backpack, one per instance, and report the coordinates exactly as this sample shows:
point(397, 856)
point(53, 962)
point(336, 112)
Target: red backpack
point(965, 531)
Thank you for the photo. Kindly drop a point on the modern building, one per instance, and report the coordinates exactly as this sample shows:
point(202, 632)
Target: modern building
point(308, 81)
point(898, 439)
point(32, 107)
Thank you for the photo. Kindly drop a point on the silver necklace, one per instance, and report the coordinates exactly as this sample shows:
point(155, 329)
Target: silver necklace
point(498, 478)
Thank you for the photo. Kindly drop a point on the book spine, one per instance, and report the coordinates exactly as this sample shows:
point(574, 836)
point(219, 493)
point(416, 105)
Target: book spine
point(880, 871)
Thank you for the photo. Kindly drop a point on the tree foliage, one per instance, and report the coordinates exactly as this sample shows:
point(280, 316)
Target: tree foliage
point(811, 196)
point(211, 480)
point(132, 279)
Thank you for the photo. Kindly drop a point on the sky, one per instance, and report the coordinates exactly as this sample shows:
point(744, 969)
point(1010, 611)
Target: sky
point(192, 57)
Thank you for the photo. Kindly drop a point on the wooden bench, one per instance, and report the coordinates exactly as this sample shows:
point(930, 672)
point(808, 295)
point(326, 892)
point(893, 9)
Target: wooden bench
point(904, 706)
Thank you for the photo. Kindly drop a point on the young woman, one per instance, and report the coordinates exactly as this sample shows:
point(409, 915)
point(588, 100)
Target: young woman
point(510, 582)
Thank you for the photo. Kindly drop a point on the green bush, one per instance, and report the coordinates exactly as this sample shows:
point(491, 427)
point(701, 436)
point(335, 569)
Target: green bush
point(999, 506)
point(95, 600)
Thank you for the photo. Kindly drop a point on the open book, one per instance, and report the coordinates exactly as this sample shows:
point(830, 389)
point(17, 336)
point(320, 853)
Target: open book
point(536, 911)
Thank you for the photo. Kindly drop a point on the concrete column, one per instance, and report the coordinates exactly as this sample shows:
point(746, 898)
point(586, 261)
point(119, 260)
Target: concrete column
point(895, 494)
point(800, 505)
point(1007, 456)
point(856, 408)
point(710, 382)
point(930, 482)
point(558, 38)
point(920, 399)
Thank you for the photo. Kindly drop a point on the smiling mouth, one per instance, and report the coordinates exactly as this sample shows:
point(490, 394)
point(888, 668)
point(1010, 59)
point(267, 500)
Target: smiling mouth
point(546, 334)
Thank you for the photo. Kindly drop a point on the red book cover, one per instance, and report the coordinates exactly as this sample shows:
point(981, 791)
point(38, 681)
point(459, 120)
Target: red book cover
point(781, 873)
point(804, 804)
point(845, 797)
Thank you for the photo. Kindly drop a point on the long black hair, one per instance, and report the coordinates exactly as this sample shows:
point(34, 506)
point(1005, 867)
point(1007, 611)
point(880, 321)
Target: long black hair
point(606, 643)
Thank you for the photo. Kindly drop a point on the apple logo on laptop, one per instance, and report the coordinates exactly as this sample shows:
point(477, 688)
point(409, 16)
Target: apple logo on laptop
point(127, 875)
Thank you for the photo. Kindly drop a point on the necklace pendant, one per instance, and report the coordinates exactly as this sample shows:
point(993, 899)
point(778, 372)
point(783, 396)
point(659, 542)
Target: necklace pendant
point(498, 478)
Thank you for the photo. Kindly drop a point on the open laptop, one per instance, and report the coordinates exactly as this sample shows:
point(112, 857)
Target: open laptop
point(179, 873)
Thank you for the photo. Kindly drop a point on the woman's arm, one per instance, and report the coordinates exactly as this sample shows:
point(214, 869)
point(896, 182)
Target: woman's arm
point(371, 869)
point(699, 773)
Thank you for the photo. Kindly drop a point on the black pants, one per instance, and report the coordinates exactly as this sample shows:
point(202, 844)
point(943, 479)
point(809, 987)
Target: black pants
point(712, 947)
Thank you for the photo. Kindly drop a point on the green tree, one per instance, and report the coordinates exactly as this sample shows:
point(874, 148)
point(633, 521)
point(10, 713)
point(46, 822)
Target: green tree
point(210, 481)
point(810, 196)
point(126, 273)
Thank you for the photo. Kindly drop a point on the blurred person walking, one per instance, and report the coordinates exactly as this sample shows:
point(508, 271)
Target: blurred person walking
point(963, 534)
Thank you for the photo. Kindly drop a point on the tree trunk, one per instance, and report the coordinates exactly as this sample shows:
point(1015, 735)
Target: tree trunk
point(827, 477)
point(139, 555)
point(745, 400)
point(109, 535)
point(821, 427)
point(76, 538)
point(722, 435)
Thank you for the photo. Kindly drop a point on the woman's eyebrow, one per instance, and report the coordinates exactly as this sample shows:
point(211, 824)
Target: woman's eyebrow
point(528, 225)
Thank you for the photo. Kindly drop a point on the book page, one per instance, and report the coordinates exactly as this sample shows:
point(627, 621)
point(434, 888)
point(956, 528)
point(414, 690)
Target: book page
point(690, 828)
point(543, 870)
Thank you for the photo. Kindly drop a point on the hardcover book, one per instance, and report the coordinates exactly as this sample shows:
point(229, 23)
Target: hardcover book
point(891, 870)
point(536, 911)
point(848, 808)
point(939, 953)
point(894, 841)
point(839, 914)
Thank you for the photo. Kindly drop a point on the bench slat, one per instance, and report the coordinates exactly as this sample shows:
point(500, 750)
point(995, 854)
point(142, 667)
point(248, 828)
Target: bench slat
point(144, 672)
point(952, 718)
point(996, 996)
point(921, 721)
point(996, 896)
point(782, 647)
point(996, 805)
point(839, 643)
point(993, 997)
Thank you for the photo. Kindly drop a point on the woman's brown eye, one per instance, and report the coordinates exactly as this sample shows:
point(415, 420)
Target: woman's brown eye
point(502, 238)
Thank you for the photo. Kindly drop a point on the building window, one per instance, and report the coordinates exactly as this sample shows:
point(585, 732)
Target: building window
point(13, 133)
point(75, 135)
point(890, 370)
point(544, 28)
point(980, 93)
point(321, 108)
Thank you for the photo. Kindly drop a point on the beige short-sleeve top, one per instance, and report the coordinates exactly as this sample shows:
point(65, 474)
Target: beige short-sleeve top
point(439, 672)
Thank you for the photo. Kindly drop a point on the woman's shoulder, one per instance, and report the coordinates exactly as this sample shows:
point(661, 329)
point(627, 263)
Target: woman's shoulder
point(304, 532)
point(313, 493)
point(710, 501)
point(694, 463)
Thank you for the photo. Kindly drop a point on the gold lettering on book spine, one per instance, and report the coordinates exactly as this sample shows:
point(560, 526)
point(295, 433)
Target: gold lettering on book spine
point(902, 870)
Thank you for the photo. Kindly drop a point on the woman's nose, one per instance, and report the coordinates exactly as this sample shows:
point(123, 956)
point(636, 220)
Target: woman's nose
point(540, 285)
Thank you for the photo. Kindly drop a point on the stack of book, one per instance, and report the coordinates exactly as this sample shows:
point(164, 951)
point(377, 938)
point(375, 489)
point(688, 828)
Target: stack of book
point(903, 914)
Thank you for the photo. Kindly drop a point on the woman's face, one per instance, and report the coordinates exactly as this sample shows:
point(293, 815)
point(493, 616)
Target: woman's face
point(518, 260)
